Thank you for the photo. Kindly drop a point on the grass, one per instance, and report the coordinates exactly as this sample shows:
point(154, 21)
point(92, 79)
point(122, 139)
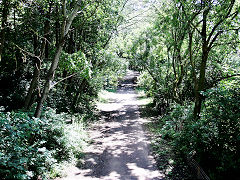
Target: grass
point(113, 90)
point(105, 95)
point(102, 97)
point(102, 100)
point(142, 97)
point(78, 140)
point(139, 89)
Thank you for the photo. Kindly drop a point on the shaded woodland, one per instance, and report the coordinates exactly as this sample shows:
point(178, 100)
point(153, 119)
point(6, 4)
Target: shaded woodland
point(57, 55)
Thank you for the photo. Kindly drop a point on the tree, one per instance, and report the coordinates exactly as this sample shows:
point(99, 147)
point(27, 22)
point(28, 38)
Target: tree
point(212, 29)
point(192, 34)
point(65, 27)
point(40, 54)
point(5, 13)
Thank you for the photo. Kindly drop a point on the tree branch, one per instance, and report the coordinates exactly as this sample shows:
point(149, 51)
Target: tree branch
point(29, 53)
point(222, 78)
point(62, 80)
point(221, 44)
point(228, 76)
point(214, 39)
point(220, 21)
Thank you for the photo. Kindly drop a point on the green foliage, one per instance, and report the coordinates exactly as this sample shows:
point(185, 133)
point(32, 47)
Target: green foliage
point(114, 71)
point(175, 120)
point(146, 81)
point(190, 49)
point(221, 117)
point(30, 147)
point(76, 62)
point(213, 139)
point(33, 32)
point(169, 53)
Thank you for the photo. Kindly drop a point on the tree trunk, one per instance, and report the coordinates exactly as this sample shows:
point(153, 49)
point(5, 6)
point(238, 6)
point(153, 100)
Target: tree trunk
point(65, 29)
point(49, 80)
point(5, 12)
point(40, 53)
point(57, 27)
point(78, 94)
point(33, 85)
point(194, 77)
point(71, 43)
point(201, 82)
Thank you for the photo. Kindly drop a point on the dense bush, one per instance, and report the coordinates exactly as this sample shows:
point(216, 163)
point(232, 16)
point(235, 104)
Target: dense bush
point(173, 123)
point(220, 138)
point(214, 139)
point(146, 81)
point(29, 147)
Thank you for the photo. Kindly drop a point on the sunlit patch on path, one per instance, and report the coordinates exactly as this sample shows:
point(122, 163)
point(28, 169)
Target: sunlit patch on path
point(120, 149)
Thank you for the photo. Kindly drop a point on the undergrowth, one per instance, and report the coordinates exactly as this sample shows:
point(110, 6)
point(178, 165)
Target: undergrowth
point(33, 148)
point(212, 140)
point(168, 160)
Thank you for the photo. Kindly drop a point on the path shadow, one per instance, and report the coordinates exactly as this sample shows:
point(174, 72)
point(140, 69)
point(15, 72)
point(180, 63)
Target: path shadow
point(121, 150)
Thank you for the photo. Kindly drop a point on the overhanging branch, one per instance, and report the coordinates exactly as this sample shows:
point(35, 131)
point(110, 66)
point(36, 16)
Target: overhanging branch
point(62, 80)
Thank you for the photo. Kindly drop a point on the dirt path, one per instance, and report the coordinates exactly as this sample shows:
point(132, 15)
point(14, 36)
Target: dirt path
point(120, 149)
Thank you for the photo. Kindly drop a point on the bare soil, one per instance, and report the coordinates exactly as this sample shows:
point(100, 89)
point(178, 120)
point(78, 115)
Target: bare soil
point(120, 148)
